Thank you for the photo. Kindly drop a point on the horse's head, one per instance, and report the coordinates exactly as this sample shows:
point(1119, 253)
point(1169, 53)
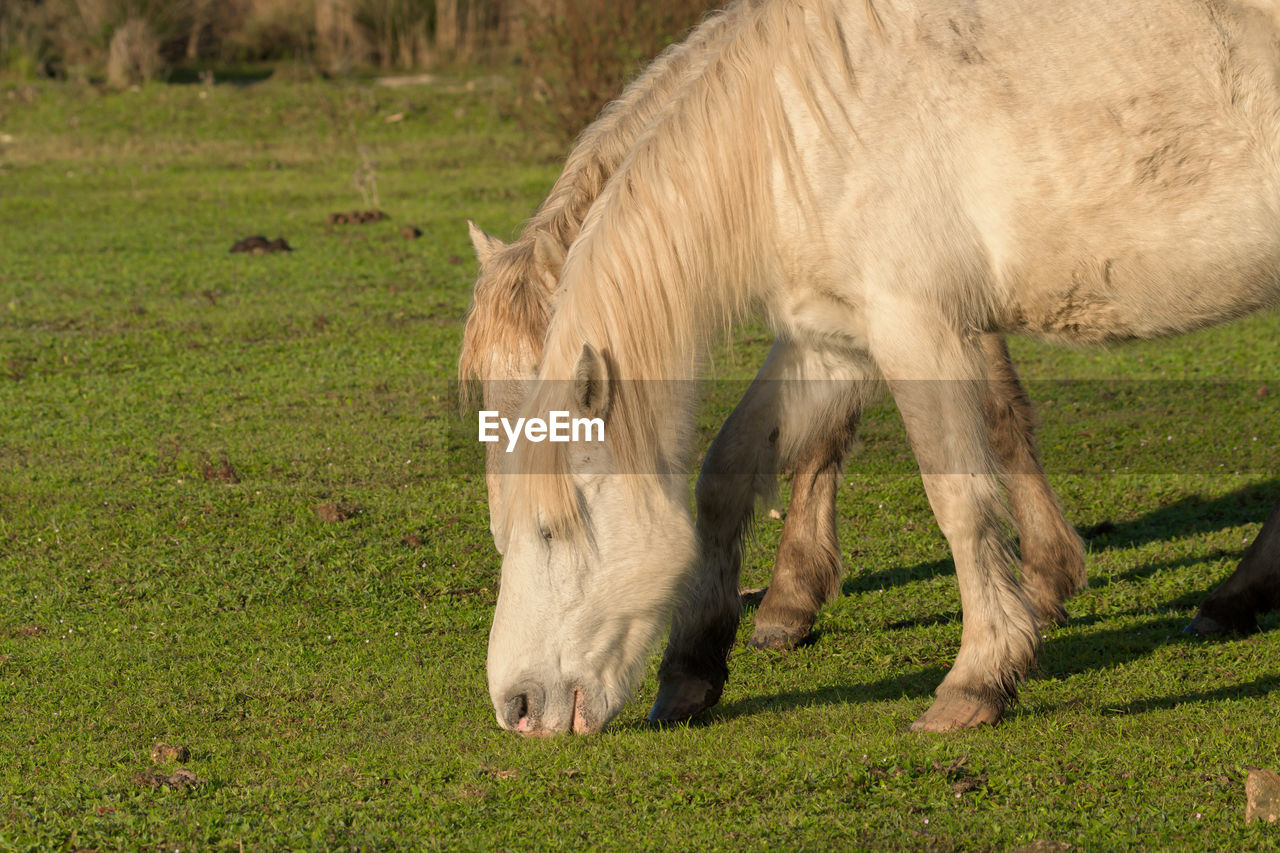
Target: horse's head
point(595, 554)
point(502, 339)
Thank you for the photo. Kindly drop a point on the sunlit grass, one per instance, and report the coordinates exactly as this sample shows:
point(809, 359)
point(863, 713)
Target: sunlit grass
point(172, 416)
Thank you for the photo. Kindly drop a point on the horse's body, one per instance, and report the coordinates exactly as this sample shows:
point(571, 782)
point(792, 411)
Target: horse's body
point(916, 175)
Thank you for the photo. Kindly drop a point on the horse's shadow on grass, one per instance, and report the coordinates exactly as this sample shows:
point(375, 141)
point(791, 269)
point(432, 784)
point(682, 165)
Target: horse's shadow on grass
point(1185, 517)
point(1060, 657)
point(1067, 654)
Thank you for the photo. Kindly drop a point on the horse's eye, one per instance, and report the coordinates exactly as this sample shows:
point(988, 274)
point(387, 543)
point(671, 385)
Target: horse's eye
point(546, 533)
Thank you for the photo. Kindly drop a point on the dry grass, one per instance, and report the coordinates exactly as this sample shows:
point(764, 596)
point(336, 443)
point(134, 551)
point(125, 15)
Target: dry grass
point(582, 52)
point(134, 55)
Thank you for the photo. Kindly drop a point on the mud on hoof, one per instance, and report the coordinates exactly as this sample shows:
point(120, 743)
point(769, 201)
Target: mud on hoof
point(779, 638)
point(953, 712)
point(680, 699)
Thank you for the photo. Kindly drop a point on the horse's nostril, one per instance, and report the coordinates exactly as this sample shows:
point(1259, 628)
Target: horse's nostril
point(516, 711)
point(523, 708)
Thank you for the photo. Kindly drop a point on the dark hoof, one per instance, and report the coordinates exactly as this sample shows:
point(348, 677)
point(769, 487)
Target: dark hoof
point(682, 699)
point(1203, 626)
point(1207, 626)
point(778, 639)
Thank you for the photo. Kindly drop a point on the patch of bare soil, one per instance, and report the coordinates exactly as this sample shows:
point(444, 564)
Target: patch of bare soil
point(335, 513)
point(357, 217)
point(260, 245)
point(27, 631)
point(163, 753)
point(411, 232)
point(219, 472)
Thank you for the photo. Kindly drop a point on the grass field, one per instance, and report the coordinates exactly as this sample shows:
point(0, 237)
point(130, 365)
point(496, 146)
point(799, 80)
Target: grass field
point(241, 512)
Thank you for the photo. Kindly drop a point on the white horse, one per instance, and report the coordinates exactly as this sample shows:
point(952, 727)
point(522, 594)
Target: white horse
point(796, 415)
point(886, 183)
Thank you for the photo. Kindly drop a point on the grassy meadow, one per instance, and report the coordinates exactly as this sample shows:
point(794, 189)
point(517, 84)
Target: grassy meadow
point(241, 512)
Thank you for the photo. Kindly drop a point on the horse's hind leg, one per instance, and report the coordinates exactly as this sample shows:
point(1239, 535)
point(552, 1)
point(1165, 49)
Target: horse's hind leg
point(809, 568)
point(1052, 551)
point(1253, 588)
point(740, 467)
point(936, 375)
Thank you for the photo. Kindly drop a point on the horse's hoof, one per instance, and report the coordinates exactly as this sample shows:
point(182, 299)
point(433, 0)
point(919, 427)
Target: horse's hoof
point(954, 713)
point(1203, 626)
point(1243, 624)
point(778, 639)
point(680, 700)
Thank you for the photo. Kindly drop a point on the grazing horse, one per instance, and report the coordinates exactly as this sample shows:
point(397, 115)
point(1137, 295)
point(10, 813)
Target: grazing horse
point(809, 432)
point(916, 175)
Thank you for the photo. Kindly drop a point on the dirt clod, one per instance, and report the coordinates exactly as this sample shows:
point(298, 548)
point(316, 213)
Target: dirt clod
point(219, 472)
point(260, 245)
point(334, 513)
point(180, 778)
point(357, 217)
point(965, 784)
point(163, 753)
point(413, 540)
point(1262, 789)
point(411, 232)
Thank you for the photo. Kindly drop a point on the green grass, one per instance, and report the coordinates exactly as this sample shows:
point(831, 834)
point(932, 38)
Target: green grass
point(328, 677)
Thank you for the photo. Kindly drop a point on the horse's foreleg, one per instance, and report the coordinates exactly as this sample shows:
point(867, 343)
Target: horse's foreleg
point(1052, 551)
point(1253, 588)
point(936, 376)
point(800, 404)
point(738, 469)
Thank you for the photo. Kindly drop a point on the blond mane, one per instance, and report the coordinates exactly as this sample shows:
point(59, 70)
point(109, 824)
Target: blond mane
point(510, 309)
point(678, 245)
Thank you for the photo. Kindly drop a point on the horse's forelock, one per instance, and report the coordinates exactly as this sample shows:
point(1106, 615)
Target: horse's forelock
point(508, 319)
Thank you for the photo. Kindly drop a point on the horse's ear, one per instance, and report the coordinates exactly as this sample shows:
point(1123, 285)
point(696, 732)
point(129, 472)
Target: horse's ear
point(548, 254)
point(486, 245)
point(591, 384)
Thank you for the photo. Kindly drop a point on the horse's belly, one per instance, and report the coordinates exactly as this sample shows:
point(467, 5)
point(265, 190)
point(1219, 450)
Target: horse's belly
point(1140, 296)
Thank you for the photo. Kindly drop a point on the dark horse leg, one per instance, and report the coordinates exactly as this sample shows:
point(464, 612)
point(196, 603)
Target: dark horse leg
point(798, 406)
point(1253, 588)
point(741, 467)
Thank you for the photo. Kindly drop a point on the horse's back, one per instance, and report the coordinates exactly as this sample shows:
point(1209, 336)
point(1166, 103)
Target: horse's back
point(1113, 167)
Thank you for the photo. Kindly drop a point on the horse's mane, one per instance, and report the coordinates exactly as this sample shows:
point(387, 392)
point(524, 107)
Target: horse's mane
point(510, 305)
point(678, 244)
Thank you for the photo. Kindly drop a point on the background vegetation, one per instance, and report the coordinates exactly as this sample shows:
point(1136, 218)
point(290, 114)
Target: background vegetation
point(576, 54)
point(241, 513)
